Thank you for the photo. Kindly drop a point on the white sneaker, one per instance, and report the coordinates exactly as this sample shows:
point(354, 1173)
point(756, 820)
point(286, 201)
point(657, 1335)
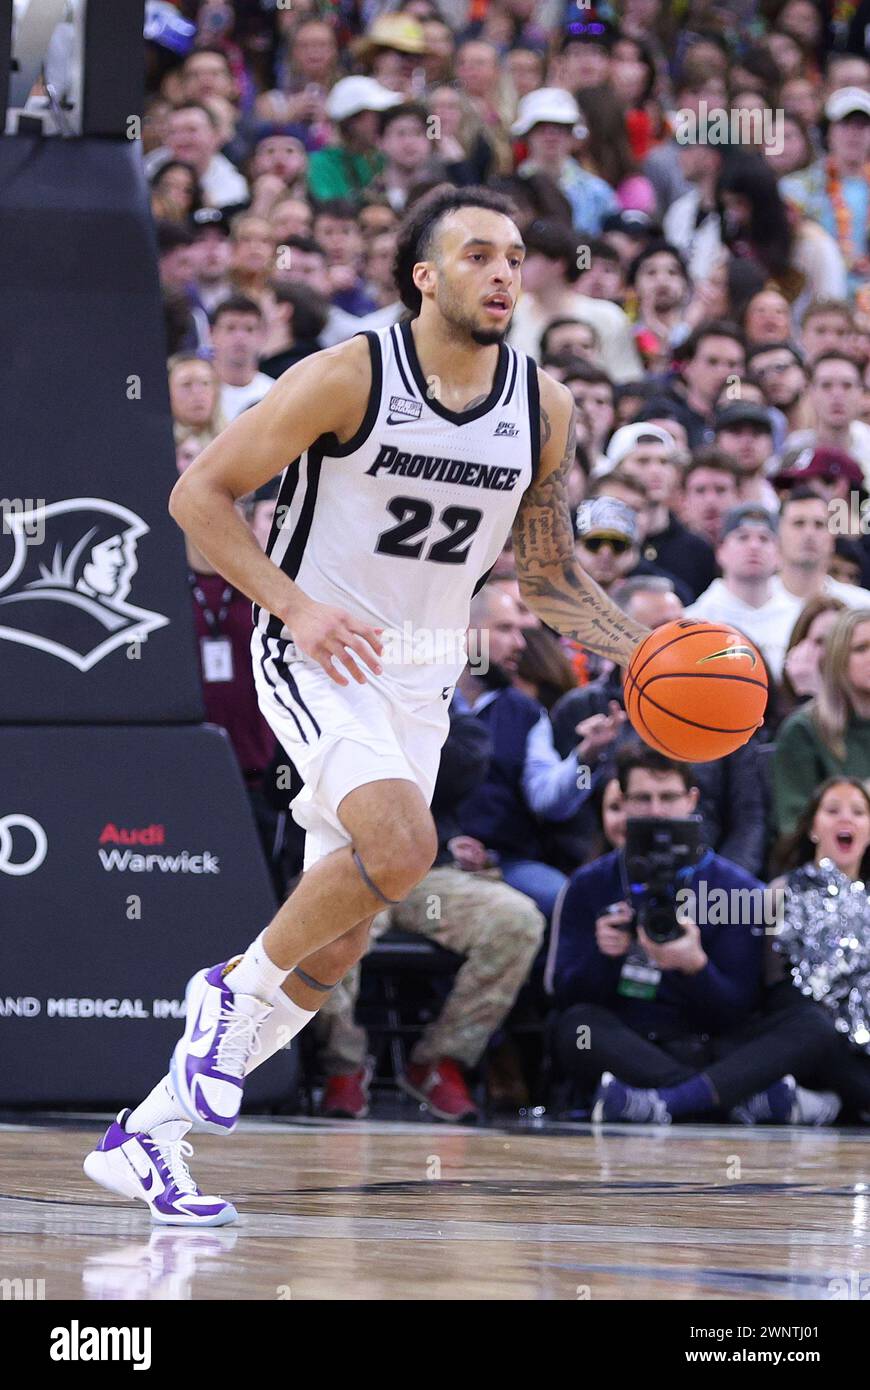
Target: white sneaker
point(152, 1167)
point(220, 1037)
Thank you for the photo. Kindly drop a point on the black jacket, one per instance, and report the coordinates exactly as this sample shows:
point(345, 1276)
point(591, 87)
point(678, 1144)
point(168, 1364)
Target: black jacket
point(464, 765)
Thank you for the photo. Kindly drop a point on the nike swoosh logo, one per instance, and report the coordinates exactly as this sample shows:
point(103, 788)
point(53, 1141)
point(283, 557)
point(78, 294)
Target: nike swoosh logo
point(197, 1031)
point(149, 1184)
point(729, 652)
point(403, 419)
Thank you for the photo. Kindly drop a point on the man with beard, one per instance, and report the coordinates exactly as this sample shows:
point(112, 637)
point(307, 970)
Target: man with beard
point(660, 280)
point(409, 454)
point(779, 370)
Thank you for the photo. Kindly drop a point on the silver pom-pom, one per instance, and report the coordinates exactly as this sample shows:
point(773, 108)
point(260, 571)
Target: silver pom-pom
point(825, 933)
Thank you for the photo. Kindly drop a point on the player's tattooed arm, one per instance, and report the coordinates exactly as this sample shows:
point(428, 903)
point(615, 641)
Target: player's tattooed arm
point(553, 583)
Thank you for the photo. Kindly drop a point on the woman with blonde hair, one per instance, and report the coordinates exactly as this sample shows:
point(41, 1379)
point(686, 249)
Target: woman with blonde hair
point(195, 393)
point(458, 136)
point(831, 735)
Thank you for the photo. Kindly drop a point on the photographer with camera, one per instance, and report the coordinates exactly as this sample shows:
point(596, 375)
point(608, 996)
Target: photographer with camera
point(660, 986)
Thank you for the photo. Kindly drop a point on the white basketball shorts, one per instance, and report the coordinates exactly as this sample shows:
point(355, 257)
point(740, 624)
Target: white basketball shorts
point(342, 737)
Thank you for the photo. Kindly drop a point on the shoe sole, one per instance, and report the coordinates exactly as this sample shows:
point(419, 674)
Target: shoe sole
point(98, 1168)
point(439, 1114)
point(176, 1070)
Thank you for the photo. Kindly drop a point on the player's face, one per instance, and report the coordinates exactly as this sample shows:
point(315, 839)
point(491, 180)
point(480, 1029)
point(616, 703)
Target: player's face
point(476, 272)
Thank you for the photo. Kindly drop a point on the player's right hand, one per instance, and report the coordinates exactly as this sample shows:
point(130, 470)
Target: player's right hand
point(611, 934)
point(327, 635)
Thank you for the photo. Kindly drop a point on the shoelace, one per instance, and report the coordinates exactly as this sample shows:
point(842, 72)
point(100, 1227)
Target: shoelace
point(239, 1042)
point(174, 1156)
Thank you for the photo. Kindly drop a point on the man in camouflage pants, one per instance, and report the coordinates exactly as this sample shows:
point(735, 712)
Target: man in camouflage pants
point(498, 930)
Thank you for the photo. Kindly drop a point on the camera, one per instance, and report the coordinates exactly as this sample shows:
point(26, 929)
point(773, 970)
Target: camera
point(660, 855)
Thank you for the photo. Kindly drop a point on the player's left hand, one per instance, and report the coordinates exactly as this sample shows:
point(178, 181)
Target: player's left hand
point(686, 955)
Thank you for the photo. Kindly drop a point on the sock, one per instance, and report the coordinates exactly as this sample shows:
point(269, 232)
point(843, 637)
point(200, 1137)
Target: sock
point(159, 1106)
point(283, 1023)
point(256, 974)
point(693, 1097)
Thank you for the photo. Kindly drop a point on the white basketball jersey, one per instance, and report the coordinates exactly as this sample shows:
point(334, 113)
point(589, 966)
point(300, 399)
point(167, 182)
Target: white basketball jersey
point(400, 525)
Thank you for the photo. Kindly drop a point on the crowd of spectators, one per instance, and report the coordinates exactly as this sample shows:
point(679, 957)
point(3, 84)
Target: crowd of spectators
point(691, 183)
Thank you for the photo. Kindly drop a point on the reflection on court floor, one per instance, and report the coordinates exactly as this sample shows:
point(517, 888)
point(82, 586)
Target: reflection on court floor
point(402, 1210)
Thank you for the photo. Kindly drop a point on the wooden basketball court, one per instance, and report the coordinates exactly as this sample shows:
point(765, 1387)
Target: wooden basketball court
point(379, 1210)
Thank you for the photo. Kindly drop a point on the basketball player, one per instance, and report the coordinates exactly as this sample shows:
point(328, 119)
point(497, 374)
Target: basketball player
point(408, 456)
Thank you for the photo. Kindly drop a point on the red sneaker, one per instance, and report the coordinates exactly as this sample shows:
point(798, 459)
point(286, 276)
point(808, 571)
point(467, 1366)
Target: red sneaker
point(441, 1086)
point(346, 1097)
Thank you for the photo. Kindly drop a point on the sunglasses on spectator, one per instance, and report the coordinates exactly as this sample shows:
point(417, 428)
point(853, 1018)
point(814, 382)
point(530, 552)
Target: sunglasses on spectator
point(596, 543)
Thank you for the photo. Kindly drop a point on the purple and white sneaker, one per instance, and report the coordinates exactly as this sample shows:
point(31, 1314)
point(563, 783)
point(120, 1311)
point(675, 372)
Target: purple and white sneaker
point(152, 1167)
point(220, 1037)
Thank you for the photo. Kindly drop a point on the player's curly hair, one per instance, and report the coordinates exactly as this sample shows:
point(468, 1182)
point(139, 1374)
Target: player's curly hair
point(414, 240)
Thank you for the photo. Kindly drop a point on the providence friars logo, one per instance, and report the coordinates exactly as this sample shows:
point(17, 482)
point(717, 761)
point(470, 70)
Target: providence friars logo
point(67, 595)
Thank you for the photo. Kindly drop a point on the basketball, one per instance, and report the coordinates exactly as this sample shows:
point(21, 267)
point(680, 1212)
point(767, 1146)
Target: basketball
point(695, 691)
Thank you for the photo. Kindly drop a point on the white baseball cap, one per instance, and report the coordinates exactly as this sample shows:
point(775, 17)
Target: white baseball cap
point(627, 438)
point(354, 94)
point(552, 104)
point(845, 102)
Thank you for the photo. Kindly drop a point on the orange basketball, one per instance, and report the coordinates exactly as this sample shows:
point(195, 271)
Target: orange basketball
point(695, 691)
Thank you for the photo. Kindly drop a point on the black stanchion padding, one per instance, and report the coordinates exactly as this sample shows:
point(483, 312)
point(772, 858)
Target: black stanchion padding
point(128, 860)
point(95, 620)
point(114, 84)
